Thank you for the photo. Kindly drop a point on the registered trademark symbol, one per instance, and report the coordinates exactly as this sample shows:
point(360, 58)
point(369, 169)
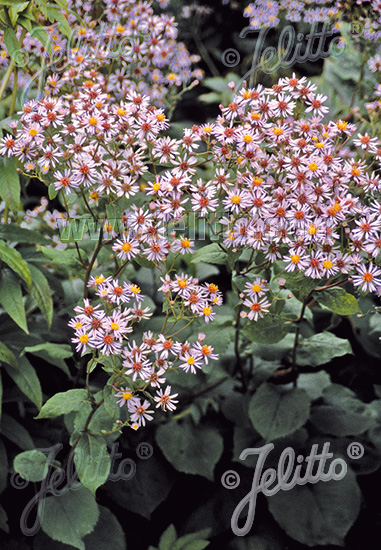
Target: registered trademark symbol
point(144, 450)
point(355, 450)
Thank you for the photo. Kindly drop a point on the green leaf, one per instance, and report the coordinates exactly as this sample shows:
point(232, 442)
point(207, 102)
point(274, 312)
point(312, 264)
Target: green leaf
point(168, 538)
point(9, 182)
point(52, 191)
point(52, 353)
point(92, 461)
point(41, 292)
point(25, 23)
point(190, 449)
point(11, 299)
point(15, 261)
point(66, 257)
point(319, 514)
point(107, 533)
point(338, 301)
point(31, 465)
point(192, 541)
point(7, 356)
point(62, 4)
point(26, 379)
point(11, 42)
point(211, 97)
point(69, 517)
point(320, 349)
point(267, 330)
point(218, 334)
point(63, 403)
point(275, 412)
point(299, 285)
point(314, 383)
point(218, 84)
point(15, 9)
point(15, 233)
point(149, 488)
point(342, 413)
point(15, 432)
point(64, 27)
point(210, 254)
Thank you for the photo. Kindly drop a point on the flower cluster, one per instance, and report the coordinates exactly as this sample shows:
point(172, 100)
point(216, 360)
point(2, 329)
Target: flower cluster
point(254, 299)
point(106, 329)
point(185, 293)
point(80, 140)
point(282, 181)
point(268, 13)
point(129, 48)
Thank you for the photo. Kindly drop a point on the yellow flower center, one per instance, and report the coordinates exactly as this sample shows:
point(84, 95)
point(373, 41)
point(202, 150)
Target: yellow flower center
point(93, 121)
point(127, 395)
point(135, 289)
point(295, 258)
point(185, 243)
point(33, 132)
point(313, 166)
point(207, 311)
point(341, 125)
point(190, 361)
point(84, 338)
point(236, 199)
point(256, 288)
point(126, 247)
point(114, 326)
point(327, 264)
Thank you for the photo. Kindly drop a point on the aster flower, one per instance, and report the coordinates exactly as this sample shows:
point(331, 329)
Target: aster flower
point(257, 308)
point(368, 278)
point(126, 396)
point(140, 412)
point(165, 400)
